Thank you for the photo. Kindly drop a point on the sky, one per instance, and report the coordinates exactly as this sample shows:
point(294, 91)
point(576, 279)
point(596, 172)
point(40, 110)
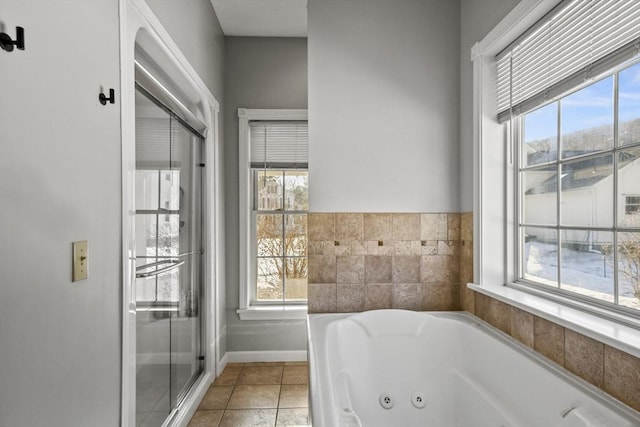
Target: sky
point(589, 107)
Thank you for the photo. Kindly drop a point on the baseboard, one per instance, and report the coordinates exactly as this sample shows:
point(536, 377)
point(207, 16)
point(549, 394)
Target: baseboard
point(263, 356)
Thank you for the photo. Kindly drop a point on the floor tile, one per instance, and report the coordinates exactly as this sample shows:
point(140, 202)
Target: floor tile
point(300, 363)
point(249, 418)
point(254, 397)
point(298, 417)
point(206, 418)
point(295, 374)
point(260, 375)
point(228, 377)
point(216, 397)
point(294, 396)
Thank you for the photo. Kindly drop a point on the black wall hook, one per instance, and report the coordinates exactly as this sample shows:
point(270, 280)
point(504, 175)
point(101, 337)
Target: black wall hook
point(112, 97)
point(7, 43)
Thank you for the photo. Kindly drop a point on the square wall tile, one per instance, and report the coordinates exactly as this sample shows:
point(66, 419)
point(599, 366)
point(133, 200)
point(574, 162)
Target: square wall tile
point(321, 226)
point(378, 296)
point(406, 269)
point(322, 269)
point(438, 269)
point(584, 357)
point(377, 226)
point(439, 297)
point(407, 296)
point(350, 269)
point(322, 298)
point(522, 326)
point(350, 298)
point(406, 226)
point(349, 226)
point(434, 226)
point(549, 339)
point(378, 269)
point(622, 376)
point(467, 299)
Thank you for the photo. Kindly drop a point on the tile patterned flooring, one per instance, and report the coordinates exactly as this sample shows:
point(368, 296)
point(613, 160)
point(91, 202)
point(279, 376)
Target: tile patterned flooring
point(269, 394)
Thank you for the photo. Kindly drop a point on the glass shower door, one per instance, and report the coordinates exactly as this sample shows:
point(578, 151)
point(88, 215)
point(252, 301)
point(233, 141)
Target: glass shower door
point(168, 261)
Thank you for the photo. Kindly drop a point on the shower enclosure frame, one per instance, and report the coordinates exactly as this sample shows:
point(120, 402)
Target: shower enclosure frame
point(141, 31)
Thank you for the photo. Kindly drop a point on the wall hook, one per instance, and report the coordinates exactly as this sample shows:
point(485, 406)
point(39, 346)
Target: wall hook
point(7, 43)
point(112, 97)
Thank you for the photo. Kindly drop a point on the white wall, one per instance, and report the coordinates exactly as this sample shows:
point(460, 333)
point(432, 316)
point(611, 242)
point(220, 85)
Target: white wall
point(383, 105)
point(477, 18)
point(60, 181)
point(260, 73)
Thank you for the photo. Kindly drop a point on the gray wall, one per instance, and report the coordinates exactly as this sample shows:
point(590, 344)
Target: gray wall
point(383, 105)
point(259, 73)
point(60, 181)
point(477, 18)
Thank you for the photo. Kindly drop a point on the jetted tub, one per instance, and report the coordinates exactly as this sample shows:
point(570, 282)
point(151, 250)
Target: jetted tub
point(396, 368)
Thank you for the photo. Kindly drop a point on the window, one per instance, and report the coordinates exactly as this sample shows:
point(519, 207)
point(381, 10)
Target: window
point(568, 90)
point(579, 229)
point(274, 200)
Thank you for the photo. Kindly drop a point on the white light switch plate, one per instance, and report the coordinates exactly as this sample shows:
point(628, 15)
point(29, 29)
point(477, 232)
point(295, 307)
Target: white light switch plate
point(80, 260)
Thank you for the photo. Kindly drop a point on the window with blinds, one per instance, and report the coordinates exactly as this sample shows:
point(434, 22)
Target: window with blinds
point(279, 144)
point(569, 94)
point(576, 41)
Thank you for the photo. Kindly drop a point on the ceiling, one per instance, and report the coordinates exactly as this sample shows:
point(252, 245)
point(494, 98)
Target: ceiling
point(262, 18)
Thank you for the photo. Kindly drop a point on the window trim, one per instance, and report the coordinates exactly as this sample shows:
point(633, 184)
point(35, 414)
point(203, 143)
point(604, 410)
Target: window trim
point(245, 309)
point(495, 191)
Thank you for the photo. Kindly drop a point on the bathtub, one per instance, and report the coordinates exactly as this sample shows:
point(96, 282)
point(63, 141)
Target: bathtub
point(396, 368)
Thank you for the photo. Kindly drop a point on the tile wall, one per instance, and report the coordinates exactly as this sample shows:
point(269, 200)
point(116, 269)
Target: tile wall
point(612, 370)
point(364, 261)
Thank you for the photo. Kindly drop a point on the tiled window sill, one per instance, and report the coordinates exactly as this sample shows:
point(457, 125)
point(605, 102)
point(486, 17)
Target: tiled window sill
point(617, 335)
point(274, 312)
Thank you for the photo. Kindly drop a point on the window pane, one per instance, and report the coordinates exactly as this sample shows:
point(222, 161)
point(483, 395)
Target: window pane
point(587, 119)
point(296, 235)
point(540, 198)
point(296, 280)
point(296, 186)
point(540, 255)
point(269, 190)
point(269, 275)
point(540, 136)
point(629, 105)
point(147, 189)
point(586, 266)
point(168, 234)
point(170, 190)
point(629, 188)
point(146, 230)
point(168, 284)
point(269, 235)
point(587, 192)
point(629, 269)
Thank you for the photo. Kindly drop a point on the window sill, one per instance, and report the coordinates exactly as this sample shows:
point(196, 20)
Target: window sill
point(274, 312)
point(614, 334)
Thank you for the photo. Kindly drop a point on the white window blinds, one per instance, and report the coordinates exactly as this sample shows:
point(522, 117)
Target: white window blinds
point(575, 41)
point(279, 144)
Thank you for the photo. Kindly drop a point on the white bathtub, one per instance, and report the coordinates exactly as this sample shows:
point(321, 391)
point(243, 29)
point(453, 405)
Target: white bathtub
point(468, 373)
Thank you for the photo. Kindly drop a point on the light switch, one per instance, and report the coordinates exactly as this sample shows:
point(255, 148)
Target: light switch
point(80, 260)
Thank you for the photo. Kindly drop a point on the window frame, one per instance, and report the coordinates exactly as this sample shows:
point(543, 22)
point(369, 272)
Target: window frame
point(247, 250)
point(517, 168)
point(494, 191)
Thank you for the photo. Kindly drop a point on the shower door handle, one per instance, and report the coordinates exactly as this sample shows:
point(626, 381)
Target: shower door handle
point(173, 264)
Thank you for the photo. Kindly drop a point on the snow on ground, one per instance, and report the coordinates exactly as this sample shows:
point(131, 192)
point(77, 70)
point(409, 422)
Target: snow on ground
point(587, 273)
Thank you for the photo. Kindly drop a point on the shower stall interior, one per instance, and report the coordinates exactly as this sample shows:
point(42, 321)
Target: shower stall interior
point(169, 258)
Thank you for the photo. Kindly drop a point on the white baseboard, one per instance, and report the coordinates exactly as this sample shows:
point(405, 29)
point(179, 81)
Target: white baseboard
point(263, 356)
